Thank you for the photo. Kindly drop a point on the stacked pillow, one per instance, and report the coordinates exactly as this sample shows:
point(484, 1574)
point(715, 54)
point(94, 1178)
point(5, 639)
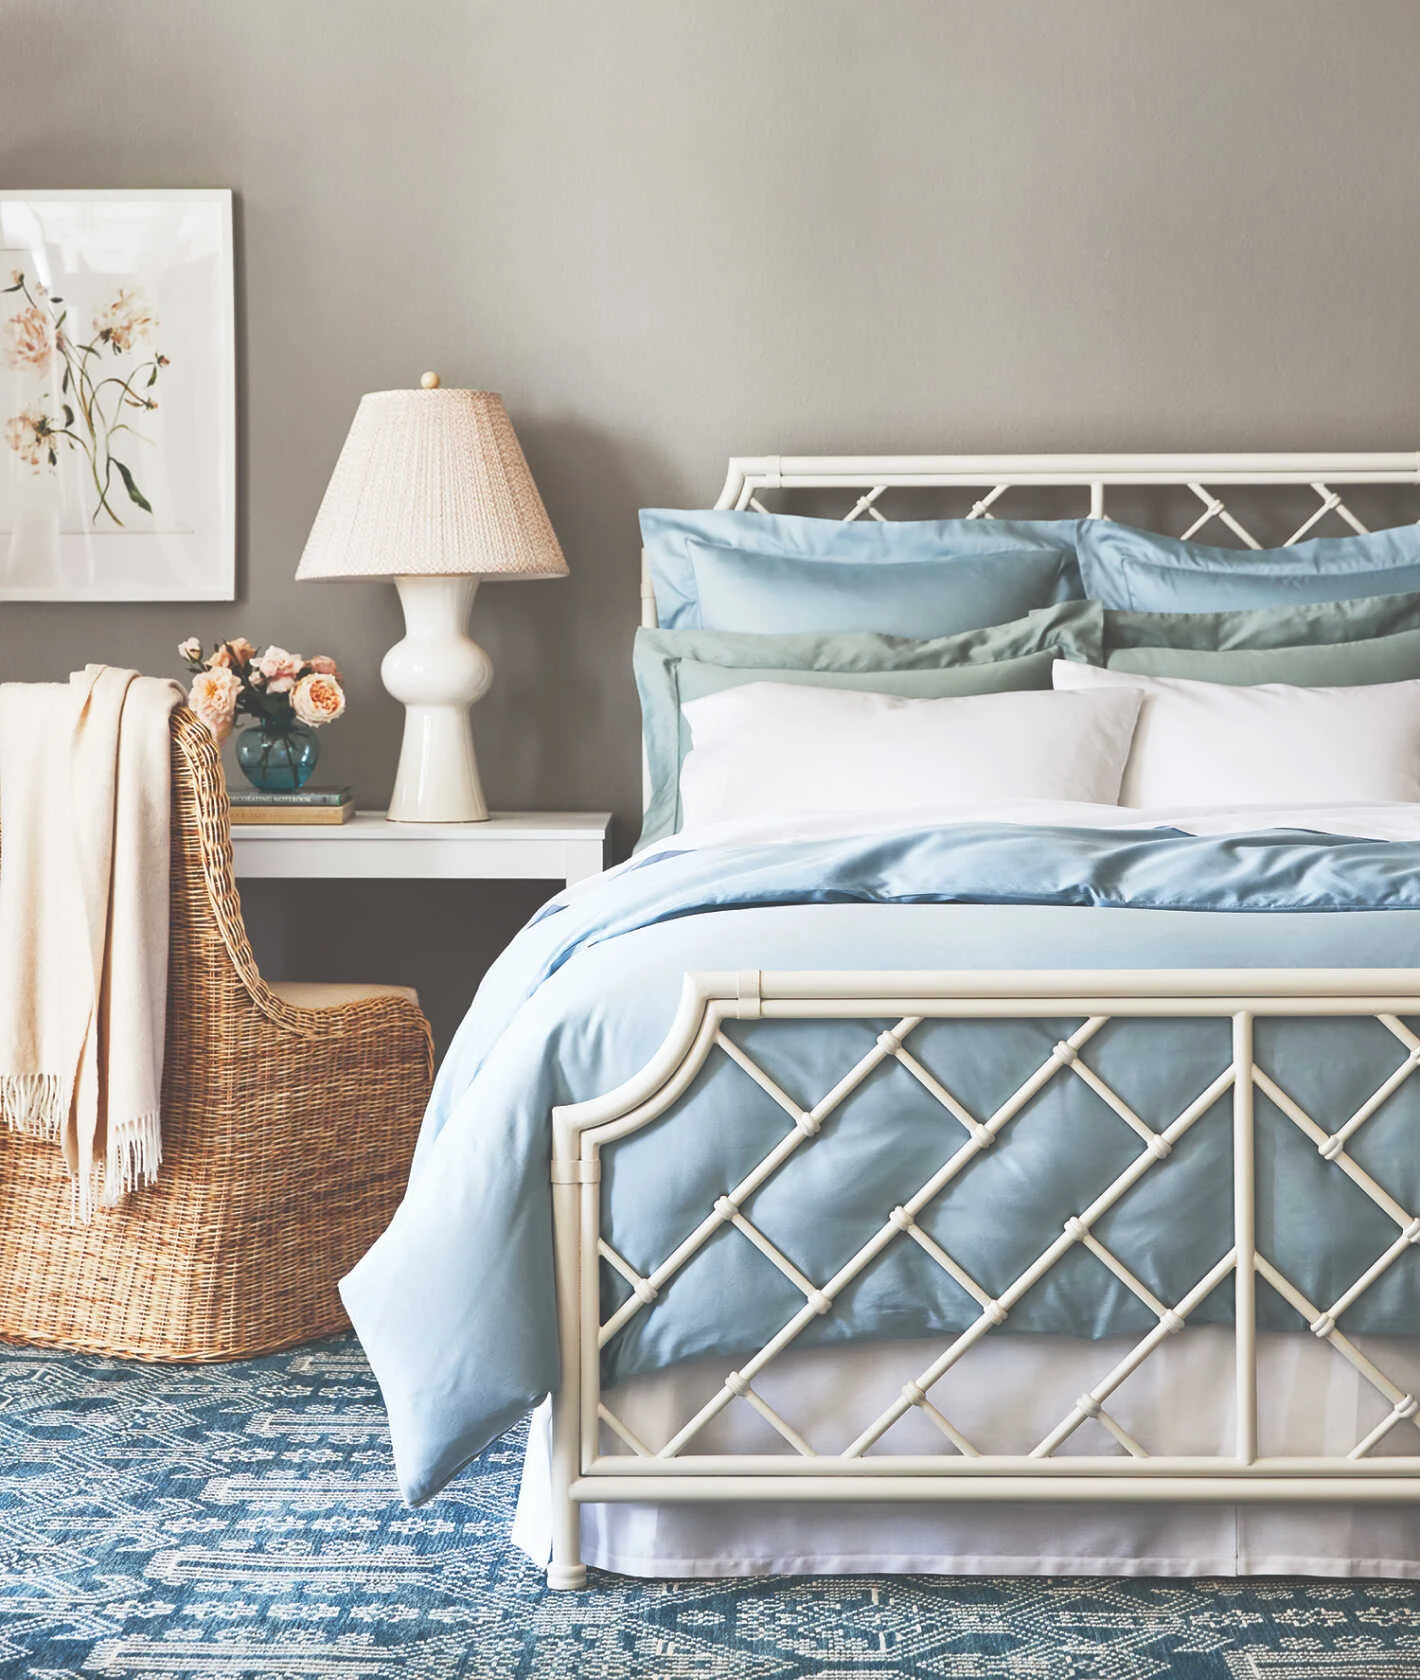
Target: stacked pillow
point(908, 617)
point(791, 751)
point(1374, 639)
point(676, 668)
point(1206, 743)
point(1138, 570)
point(780, 573)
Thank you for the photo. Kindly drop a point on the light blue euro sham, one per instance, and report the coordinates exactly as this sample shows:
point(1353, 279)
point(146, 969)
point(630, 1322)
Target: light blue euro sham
point(455, 1304)
point(785, 573)
point(1126, 568)
point(674, 666)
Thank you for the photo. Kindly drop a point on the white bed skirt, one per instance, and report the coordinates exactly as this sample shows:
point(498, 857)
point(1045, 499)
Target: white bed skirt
point(1004, 1397)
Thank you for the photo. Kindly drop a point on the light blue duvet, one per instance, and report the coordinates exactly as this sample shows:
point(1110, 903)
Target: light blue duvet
point(455, 1304)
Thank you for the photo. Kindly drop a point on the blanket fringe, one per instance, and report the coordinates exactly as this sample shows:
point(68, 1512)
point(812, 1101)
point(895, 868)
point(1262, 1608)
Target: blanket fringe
point(35, 1104)
point(133, 1156)
point(135, 1152)
point(83, 1193)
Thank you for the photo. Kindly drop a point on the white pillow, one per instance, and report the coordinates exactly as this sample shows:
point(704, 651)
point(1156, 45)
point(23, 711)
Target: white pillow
point(784, 748)
point(1202, 743)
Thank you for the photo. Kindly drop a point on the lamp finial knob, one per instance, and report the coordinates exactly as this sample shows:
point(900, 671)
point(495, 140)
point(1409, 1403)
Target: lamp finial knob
point(429, 381)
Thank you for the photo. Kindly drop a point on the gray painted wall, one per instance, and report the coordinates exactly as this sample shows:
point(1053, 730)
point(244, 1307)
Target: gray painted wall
point(672, 230)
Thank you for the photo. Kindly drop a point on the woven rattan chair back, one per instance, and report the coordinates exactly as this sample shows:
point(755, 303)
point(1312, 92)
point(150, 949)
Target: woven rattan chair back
point(287, 1137)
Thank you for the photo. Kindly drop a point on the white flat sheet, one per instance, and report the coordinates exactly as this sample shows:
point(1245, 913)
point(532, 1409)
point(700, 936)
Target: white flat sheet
point(1004, 1396)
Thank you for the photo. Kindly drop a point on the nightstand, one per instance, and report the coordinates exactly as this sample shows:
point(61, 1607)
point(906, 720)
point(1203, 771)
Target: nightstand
point(564, 846)
point(280, 868)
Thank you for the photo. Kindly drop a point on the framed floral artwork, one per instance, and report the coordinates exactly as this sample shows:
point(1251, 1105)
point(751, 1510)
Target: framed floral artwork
point(117, 397)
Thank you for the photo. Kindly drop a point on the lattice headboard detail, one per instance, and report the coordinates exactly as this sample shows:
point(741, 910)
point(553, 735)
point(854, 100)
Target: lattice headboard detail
point(1316, 486)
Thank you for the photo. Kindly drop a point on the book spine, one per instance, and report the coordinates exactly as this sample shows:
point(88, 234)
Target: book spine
point(297, 797)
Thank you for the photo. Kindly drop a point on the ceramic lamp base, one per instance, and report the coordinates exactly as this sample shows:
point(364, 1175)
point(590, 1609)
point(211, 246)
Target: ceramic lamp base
point(437, 671)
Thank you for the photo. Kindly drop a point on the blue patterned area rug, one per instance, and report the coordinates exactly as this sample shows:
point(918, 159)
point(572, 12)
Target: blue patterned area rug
point(241, 1520)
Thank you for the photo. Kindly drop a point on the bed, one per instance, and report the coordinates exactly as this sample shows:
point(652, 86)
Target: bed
point(981, 1188)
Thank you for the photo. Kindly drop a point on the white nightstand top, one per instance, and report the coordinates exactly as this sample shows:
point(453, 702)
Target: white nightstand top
point(510, 846)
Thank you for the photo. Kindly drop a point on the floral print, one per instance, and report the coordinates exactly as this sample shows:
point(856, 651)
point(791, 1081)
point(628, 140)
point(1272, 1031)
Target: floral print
point(97, 400)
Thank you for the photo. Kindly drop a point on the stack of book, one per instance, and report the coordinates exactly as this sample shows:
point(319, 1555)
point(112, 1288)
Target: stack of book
point(301, 805)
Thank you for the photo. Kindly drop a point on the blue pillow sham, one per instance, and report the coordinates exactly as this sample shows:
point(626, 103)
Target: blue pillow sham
point(1142, 572)
point(786, 574)
point(674, 666)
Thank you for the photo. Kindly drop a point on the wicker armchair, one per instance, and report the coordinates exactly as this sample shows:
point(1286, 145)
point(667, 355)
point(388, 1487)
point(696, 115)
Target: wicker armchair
point(287, 1136)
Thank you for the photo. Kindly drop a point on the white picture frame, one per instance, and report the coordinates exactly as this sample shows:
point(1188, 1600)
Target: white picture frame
point(117, 396)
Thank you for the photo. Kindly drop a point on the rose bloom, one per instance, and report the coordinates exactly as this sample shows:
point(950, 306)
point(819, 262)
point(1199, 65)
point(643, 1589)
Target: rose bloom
point(318, 699)
point(29, 338)
point(190, 650)
point(325, 665)
point(279, 669)
point(213, 697)
point(238, 651)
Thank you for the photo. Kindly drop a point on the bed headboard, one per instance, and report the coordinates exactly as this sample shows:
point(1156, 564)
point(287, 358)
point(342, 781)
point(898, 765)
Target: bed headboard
point(1313, 484)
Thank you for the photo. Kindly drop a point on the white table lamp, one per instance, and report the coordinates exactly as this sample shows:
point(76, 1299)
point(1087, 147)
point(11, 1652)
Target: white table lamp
point(431, 489)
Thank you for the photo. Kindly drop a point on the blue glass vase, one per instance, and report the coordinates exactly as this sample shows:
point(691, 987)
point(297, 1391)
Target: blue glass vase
point(278, 757)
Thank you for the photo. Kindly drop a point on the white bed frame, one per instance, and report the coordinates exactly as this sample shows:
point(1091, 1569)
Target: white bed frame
point(585, 1472)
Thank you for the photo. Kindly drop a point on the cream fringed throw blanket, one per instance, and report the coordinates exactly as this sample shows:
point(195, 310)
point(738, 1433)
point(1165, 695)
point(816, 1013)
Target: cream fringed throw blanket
point(85, 782)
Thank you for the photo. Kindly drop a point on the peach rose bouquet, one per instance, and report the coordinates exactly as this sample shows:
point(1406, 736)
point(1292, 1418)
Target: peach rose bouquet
point(286, 695)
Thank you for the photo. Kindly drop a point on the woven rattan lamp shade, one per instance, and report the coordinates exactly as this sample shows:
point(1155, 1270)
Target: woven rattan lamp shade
point(432, 483)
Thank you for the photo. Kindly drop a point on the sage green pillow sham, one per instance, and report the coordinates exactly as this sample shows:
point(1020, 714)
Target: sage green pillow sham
point(1316, 623)
point(674, 666)
point(1324, 644)
point(1378, 659)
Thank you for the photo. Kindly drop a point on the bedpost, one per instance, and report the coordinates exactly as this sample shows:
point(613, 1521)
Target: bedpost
point(1244, 1241)
point(566, 1571)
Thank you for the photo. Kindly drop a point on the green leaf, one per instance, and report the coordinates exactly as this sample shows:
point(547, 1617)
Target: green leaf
point(65, 382)
point(135, 495)
point(153, 377)
point(68, 415)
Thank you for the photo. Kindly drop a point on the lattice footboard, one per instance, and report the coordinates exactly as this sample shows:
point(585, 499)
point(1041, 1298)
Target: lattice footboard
point(584, 1470)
